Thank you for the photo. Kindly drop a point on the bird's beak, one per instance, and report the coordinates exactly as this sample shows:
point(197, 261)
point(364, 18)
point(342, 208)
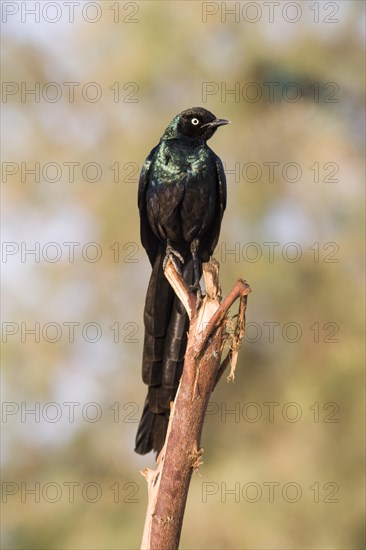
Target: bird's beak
point(217, 122)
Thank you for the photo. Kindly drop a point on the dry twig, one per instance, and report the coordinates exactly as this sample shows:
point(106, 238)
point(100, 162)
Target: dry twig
point(181, 455)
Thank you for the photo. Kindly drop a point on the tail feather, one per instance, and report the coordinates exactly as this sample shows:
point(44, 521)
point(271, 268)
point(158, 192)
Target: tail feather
point(144, 439)
point(166, 325)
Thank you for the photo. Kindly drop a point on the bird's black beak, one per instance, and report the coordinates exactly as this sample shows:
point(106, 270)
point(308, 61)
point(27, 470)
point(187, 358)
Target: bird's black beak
point(217, 122)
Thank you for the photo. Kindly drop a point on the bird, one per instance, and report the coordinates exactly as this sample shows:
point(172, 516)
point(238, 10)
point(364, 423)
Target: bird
point(181, 200)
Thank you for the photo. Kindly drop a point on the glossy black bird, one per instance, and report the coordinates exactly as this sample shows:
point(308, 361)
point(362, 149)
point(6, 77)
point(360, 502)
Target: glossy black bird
point(181, 199)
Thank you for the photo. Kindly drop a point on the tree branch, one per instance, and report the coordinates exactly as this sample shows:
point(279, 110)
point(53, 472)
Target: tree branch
point(181, 455)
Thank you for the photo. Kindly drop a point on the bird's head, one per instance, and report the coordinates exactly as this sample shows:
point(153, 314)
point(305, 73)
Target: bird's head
point(195, 123)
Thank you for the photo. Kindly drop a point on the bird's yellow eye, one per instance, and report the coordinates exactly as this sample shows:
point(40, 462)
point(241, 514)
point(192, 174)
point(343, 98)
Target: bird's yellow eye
point(195, 121)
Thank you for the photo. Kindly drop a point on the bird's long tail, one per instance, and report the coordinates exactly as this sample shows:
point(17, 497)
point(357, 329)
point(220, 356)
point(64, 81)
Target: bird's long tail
point(166, 326)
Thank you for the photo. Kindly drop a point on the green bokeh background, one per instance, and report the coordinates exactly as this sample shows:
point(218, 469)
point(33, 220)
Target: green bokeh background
point(164, 57)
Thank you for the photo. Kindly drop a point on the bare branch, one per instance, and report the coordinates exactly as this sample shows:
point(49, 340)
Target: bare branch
point(181, 455)
point(186, 296)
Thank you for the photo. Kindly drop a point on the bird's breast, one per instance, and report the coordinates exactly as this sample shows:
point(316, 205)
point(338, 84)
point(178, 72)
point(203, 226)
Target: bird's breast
point(181, 194)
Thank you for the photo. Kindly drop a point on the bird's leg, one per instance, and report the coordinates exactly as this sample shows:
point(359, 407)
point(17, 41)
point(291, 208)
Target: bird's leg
point(196, 269)
point(173, 255)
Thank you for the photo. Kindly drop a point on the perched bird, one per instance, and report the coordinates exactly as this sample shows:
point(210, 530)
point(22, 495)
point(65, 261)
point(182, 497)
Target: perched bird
point(181, 199)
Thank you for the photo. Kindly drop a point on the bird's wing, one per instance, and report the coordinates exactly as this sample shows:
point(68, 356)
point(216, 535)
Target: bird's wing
point(148, 239)
point(211, 238)
point(221, 185)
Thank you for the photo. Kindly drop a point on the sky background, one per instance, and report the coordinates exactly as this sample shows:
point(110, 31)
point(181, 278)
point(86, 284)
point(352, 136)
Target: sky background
point(87, 90)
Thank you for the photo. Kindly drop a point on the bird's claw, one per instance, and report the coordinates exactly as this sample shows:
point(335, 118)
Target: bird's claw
point(173, 255)
point(198, 292)
point(195, 288)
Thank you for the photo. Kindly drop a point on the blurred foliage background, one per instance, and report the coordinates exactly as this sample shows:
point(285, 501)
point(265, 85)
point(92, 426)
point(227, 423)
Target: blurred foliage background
point(283, 461)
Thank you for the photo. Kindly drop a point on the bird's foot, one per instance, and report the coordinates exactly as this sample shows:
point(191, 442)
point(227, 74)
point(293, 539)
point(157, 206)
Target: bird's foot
point(198, 292)
point(173, 255)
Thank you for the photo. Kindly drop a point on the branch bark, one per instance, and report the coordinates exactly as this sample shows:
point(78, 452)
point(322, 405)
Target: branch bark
point(181, 455)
